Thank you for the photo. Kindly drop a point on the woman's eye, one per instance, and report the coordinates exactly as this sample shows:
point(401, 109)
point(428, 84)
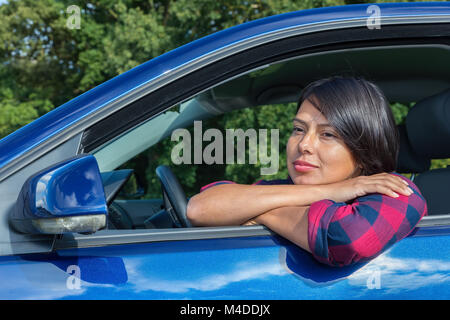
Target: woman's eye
point(329, 135)
point(297, 130)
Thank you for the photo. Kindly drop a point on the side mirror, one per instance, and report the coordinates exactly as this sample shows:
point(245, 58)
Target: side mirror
point(66, 197)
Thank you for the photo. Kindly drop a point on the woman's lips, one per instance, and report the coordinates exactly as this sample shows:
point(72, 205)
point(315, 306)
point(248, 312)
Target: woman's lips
point(302, 166)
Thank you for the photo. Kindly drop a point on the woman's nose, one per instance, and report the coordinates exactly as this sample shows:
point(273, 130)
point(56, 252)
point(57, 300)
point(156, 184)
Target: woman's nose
point(306, 143)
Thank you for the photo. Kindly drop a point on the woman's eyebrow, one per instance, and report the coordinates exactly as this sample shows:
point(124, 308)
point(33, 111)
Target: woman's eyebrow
point(305, 123)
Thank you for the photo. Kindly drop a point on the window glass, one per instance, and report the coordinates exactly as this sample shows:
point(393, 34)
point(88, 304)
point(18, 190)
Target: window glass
point(261, 102)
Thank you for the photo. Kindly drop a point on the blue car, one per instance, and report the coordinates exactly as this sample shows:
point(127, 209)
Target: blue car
point(66, 233)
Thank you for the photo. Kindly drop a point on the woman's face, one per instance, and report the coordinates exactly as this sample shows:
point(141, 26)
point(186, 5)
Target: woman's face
point(315, 152)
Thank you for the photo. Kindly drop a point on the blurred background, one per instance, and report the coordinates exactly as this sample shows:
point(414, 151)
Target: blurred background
point(44, 64)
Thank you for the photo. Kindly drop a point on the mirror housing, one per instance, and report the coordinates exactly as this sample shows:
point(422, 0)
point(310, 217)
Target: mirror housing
point(66, 197)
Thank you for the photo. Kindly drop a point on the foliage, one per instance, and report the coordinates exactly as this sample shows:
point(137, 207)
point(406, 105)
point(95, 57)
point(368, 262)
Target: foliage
point(44, 63)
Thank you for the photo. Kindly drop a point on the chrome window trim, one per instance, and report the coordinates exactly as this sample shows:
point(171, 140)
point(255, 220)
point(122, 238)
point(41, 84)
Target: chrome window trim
point(121, 237)
point(435, 221)
point(172, 75)
point(118, 237)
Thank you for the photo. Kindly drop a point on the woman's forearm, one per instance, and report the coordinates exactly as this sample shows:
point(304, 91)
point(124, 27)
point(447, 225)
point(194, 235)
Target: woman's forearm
point(289, 222)
point(234, 204)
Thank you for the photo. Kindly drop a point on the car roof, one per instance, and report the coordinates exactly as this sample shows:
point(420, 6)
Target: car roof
point(56, 121)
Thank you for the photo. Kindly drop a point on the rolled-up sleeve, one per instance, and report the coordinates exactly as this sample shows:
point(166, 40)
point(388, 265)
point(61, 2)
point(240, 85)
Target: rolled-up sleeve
point(341, 234)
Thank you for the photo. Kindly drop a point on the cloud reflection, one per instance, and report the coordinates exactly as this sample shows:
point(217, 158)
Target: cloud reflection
point(212, 282)
point(403, 274)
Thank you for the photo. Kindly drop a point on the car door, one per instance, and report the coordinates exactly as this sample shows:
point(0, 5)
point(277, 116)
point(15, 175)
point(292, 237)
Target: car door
point(233, 262)
point(151, 266)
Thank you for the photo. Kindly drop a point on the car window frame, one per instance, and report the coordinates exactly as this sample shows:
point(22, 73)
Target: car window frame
point(177, 234)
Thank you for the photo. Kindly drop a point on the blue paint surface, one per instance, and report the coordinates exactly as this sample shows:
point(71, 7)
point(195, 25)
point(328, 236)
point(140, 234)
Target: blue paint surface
point(417, 267)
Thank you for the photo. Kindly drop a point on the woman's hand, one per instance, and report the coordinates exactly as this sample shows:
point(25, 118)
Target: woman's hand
point(384, 183)
point(251, 222)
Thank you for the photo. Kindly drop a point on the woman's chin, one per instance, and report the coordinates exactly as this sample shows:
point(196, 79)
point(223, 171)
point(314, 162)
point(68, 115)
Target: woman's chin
point(305, 178)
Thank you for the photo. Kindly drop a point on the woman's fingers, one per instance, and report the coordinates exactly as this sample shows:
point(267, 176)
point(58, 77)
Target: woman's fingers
point(389, 191)
point(388, 184)
point(383, 183)
point(250, 222)
point(398, 187)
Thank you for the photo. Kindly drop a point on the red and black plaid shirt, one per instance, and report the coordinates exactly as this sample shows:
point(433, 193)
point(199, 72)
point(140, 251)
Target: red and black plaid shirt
point(342, 233)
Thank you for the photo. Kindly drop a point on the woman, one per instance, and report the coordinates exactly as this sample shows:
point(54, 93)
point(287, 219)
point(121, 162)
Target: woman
point(340, 201)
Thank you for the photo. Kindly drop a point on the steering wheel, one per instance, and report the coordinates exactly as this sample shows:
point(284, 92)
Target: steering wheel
point(174, 197)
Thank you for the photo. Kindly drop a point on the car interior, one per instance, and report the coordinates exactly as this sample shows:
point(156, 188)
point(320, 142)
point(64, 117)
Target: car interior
point(395, 69)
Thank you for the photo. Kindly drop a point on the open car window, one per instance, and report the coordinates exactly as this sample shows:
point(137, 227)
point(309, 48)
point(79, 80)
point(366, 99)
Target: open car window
point(262, 99)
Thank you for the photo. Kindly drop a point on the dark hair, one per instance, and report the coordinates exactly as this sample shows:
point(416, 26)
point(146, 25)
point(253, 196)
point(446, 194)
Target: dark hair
point(358, 110)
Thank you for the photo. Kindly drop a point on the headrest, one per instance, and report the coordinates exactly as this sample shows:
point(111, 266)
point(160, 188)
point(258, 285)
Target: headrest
point(408, 161)
point(434, 187)
point(428, 126)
